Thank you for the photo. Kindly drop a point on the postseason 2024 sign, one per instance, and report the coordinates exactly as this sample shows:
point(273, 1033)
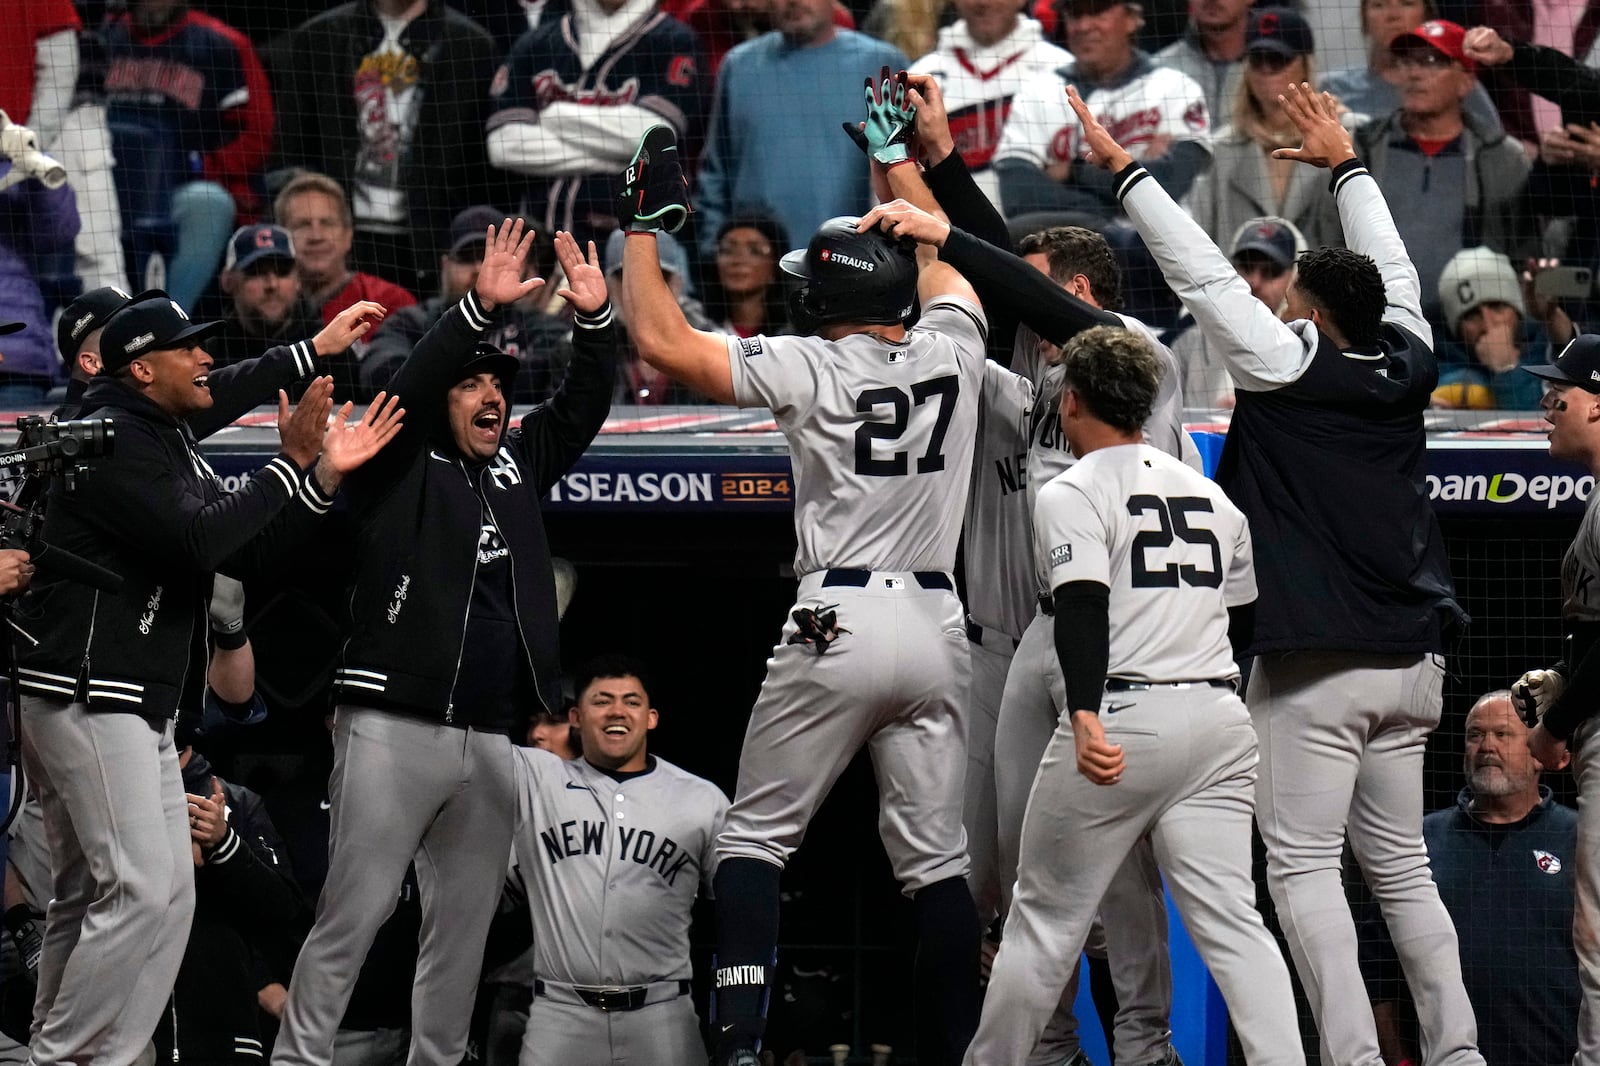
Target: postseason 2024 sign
point(699, 459)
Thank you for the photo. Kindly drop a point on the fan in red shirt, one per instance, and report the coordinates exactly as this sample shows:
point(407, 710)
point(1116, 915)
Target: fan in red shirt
point(316, 212)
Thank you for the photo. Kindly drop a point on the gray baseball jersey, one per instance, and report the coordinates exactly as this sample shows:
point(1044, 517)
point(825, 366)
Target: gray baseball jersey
point(1031, 705)
point(1168, 541)
point(1174, 554)
point(612, 867)
point(1580, 569)
point(997, 537)
point(880, 436)
point(881, 440)
point(1048, 454)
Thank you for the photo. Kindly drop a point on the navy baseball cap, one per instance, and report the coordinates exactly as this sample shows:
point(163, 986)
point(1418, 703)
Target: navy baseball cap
point(85, 315)
point(251, 244)
point(1271, 237)
point(487, 359)
point(1280, 31)
point(471, 226)
point(1578, 364)
point(152, 324)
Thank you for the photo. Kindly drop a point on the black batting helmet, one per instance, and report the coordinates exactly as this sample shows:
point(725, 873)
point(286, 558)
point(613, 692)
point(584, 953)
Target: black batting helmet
point(847, 276)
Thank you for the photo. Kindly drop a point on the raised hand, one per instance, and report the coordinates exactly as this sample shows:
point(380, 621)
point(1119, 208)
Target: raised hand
point(1324, 142)
point(500, 278)
point(901, 219)
point(890, 119)
point(932, 120)
point(300, 432)
point(1486, 47)
point(346, 444)
point(348, 326)
point(586, 282)
point(1102, 148)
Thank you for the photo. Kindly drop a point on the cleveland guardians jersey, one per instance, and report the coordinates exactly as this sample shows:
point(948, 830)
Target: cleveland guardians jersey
point(1171, 548)
point(979, 83)
point(880, 436)
point(612, 867)
point(1048, 454)
point(1158, 102)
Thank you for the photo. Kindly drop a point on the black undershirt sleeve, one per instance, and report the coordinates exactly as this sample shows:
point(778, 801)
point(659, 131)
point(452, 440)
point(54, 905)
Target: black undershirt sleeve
point(1241, 627)
point(1083, 641)
point(1008, 283)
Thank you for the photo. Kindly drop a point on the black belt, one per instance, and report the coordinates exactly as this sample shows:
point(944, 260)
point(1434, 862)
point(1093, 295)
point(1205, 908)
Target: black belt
point(975, 635)
point(613, 999)
point(1047, 603)
point(928, 579)
point(1122, 684)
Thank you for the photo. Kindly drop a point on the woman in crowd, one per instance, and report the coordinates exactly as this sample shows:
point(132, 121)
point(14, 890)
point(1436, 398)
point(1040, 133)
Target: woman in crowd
point(744, 294)
point(1245, 181)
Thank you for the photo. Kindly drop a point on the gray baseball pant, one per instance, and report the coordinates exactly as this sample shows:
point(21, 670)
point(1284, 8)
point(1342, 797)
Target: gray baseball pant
point(1191, 757)
point(1133, 913)
point(658, 1034)
point(122, 874)
point(990, 660)
point(402, 790)
point(895, 684)
point(1342, 736)
point(1585, 748)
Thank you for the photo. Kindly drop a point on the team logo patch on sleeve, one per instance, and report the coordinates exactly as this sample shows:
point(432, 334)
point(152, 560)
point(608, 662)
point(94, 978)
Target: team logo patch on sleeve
point(1550, 864)
point(1061, 553)
point(750, 346)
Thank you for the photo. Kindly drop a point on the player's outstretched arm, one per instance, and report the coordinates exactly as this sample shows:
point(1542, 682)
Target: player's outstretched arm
point(1261, 352)
point(1368, 225)
point(934, 277)
point(661, 334)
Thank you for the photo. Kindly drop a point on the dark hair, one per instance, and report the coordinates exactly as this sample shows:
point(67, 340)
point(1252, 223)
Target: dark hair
point(608, 665)
point(1347, 288)
point(775, 314)
point(1073, 250)
point(1116, 373)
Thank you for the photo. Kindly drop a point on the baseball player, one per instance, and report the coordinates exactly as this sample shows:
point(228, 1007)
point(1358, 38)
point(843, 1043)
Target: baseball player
point(1357, 601)
point(1146, 557)
point(1560, 703)
point(455, 632)
point(612, 848)
point(880, 422)
point(1070, 274)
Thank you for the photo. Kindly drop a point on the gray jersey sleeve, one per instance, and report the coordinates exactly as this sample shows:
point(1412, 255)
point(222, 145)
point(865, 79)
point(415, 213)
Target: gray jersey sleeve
point(783, 374)
point(1239, 586)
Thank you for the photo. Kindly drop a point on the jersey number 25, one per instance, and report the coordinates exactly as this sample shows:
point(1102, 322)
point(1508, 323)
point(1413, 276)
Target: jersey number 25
point(945, 389)
point(1173, 514)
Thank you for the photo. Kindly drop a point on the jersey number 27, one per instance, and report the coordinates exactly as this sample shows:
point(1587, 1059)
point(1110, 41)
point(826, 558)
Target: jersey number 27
point(945, 389)
point(1173, 514)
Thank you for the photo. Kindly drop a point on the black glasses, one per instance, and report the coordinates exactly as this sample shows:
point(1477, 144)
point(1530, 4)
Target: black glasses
point(281, 268)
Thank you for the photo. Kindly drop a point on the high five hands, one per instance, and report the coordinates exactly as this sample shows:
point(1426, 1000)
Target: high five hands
point(1324, 142)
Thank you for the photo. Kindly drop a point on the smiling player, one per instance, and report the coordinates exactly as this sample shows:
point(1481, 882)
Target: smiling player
point(612, 849)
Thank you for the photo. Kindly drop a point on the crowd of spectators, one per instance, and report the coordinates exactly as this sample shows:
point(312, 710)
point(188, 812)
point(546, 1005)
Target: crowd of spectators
point(371, 132)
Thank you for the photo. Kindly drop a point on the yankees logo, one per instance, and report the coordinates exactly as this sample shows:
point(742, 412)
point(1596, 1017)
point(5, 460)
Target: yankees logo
point(503, 471)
